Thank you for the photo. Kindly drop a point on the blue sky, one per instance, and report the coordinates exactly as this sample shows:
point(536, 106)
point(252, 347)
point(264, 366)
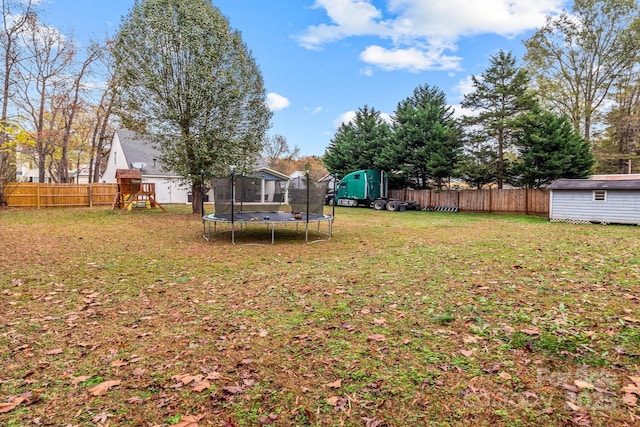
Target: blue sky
point(324, 59)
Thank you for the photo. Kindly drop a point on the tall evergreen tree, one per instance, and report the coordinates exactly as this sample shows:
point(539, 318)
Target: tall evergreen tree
point(358, 144)
point(479, 164)
point(549, 149)
point(191, 82)
point(427, 137)
point(500, 95)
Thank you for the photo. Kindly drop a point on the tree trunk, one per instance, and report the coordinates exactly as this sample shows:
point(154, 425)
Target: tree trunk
point(197, 199)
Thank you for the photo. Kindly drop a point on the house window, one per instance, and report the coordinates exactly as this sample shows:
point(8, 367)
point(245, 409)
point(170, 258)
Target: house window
point(600, 195)
point(115, 158)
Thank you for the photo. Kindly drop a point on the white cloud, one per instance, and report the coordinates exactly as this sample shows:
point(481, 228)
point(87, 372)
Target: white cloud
point(345, 118)
point(348, 116)
point(387, 118)
point(419, 32)
point(412, 59)
point(349, 18)
point(277, 102)
point(367, 71)
point(314, 110)
point(464, 86)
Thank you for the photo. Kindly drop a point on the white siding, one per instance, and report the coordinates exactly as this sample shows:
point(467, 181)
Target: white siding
point(620, 207)
point(116, 160)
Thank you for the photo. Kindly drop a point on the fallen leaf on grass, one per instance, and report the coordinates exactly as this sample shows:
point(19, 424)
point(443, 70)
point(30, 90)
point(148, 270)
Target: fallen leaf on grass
point(377, 337)
point(630, 388)
point(101, 418)
point(530, 331)
point(135, 400)
point(201, 386)
point(78, 380)
point(103, 387)
point(269, 419)
point(189, 421)
point(631, 319)
point(636, 380)
point(372, 422)
point(233, 389)
point(54, 352)
point(505, 375)
point(335, 384)
point(6, 407)
point(573, 406)
point(493, 368)
point(468, 339)
point(138, 372)
point(583, 385)
point(333, 400)
point(213, 376)
point(186, 379)
point(466, 353)
point(631, 400)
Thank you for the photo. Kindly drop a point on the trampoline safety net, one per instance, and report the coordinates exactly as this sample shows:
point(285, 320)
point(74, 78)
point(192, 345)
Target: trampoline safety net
point(247, 195)
point(308, 196)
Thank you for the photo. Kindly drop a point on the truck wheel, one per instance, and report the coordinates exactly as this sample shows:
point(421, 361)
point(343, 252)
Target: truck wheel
point(379, 205)
point(393, 205)
point(332, 201)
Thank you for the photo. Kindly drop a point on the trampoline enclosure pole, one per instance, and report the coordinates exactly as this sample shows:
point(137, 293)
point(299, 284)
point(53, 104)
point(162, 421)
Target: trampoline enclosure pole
point(307, 223)
point(233, 196)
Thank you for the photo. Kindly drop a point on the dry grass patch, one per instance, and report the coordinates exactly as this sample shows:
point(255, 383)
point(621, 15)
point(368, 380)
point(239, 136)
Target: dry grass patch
point(413, 318)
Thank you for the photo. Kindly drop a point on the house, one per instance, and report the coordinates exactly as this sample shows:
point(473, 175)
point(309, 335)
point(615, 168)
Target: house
point(130, 150)
point(265, 185)
point(582, 201)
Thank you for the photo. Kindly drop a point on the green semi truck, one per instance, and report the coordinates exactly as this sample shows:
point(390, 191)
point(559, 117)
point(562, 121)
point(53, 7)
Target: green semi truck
point(368, 188)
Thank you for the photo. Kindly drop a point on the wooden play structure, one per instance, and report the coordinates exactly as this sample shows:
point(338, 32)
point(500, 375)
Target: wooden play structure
point(133, 193)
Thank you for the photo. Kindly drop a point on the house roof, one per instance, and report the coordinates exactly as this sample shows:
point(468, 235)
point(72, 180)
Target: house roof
point(595, 184)
point(272, 174)
point(139, 151)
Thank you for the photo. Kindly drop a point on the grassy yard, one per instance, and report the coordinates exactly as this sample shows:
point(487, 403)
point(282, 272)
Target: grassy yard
point(401, 319)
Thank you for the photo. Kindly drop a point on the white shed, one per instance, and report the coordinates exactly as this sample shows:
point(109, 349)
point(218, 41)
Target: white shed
point(607, 201)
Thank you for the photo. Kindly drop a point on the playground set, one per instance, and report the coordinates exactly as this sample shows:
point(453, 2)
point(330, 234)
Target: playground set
point(133, 193)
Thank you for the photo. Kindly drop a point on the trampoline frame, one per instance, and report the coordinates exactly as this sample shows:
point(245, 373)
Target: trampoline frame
point(270, 219)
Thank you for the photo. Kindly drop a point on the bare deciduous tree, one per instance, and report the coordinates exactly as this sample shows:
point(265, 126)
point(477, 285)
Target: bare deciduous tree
point(276, 151)
point(43, 83)
point(16, 15)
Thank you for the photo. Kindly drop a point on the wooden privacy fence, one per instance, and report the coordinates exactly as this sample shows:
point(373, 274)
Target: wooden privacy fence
point(499, 201)
point(37, 195)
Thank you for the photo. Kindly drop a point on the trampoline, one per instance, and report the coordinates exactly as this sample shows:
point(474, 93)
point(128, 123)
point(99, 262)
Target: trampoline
point(241, 202)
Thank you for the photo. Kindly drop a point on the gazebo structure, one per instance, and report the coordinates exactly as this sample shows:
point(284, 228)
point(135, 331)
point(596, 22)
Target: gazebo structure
point(133, 193)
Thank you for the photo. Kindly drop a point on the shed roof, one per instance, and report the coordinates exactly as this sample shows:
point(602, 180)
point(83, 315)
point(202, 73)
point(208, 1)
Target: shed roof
point(595, 184)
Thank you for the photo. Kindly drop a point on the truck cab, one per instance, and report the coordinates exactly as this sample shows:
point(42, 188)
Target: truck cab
point(359, 188)
point(368, 188)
